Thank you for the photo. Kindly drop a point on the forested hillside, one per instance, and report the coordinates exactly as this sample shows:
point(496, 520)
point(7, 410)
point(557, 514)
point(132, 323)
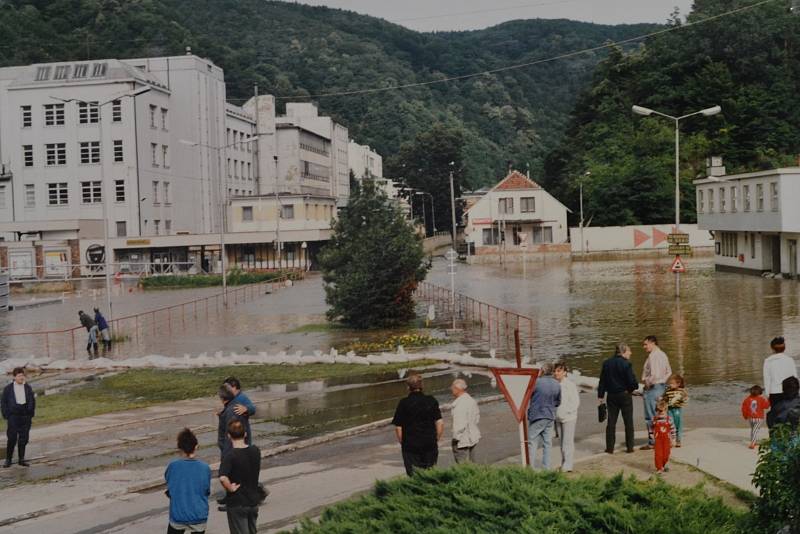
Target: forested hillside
point(748, 63)
point(294, 50)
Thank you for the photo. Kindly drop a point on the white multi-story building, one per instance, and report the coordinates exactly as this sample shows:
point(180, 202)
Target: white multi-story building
point(312, 153)
point(364, 161)
point(152, 147)
point(754, 219)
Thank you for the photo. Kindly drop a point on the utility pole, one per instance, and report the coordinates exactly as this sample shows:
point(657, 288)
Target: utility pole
point(279, 210)
point(453, 204)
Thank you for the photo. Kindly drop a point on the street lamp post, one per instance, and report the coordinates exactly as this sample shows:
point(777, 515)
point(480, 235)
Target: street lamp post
point(708, 112)
point(104, 198)
point(223, 205)
point(453, 204)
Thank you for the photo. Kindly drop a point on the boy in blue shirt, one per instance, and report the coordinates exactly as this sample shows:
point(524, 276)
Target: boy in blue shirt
point(188, 488)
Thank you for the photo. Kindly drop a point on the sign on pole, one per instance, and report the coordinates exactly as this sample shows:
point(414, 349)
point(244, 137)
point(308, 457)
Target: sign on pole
point(517, 386)
point(683, 250)
point(678, 266)
point(678, 239)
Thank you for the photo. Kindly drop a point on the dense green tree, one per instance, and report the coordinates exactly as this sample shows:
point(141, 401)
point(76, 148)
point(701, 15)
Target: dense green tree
point(294, 50)
point(373, 263)
point(425, 164)
point(748, 63)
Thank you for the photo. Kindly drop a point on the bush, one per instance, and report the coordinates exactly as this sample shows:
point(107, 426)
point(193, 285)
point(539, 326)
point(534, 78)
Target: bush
point(512, 499)
point(236, 277)
point(777, 478)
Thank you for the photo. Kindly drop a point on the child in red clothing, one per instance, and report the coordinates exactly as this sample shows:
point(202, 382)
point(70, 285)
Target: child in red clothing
point(753, 411)
point(664, 434)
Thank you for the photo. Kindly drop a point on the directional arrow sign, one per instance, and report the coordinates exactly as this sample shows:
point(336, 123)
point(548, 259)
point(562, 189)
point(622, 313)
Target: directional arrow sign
point(517, 386)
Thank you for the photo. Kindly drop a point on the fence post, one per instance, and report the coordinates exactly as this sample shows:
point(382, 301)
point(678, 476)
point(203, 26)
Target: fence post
point(72, 333)
point(47, 343)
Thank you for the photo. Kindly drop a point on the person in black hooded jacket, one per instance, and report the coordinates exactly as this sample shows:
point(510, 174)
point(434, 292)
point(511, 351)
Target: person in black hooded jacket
point(787, 410)
point(18, 406)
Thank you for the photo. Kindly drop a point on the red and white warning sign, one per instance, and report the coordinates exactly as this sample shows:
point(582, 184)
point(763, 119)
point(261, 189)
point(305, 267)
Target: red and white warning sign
point(678, 266)
point(517, 386)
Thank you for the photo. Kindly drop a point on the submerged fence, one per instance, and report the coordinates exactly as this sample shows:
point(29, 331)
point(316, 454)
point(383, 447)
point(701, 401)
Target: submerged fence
point(132, 333)
point(479, 320)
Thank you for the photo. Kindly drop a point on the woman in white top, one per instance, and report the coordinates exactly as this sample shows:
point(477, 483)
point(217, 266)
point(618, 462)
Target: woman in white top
point(777, 368)
point(566, 415)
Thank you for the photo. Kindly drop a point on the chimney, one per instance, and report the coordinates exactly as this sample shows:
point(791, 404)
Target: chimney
point(714, 166)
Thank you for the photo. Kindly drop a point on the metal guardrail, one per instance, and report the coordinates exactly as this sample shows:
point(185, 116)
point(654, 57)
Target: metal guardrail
point(131, 332)
point(494, 325)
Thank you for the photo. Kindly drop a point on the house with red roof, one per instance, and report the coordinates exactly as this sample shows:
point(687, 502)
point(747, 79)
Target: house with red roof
point(517, 213)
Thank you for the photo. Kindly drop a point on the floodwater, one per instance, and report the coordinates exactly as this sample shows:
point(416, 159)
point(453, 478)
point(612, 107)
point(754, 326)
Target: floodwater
point(717, 332)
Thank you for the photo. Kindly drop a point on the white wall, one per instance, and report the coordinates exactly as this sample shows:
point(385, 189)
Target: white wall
point(639, 237)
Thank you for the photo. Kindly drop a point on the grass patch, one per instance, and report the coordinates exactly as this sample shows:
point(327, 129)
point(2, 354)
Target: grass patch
point(139, 388)
point(235, 278)
point(512, 499)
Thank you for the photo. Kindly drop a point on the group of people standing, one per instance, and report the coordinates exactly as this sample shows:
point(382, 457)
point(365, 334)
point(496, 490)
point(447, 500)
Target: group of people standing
point(96, 329)
point(189, 479)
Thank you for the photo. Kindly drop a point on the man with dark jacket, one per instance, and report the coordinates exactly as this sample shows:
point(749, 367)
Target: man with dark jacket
point(18, 406)
point(617, 383)
point(226, 416)
point(91, 328)
point(542, 416)
point(418, 427)
point(787, 410)
point(242, 405)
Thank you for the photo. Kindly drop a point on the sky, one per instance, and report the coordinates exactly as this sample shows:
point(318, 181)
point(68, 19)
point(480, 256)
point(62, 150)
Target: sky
point(434, 15)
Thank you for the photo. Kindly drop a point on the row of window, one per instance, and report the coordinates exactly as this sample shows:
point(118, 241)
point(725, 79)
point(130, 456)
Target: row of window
point(239, 192)
point(54, 114)
point(58, 193)
point(728, 244)
point(162, 192)
point(56, 153)
point(506, 205)
point(235, 139)
point(287, 212)
point(154, 117)
point(728, 200)
point(541, 234)
point(236, 169)
point(78, 71)
point(155, 153)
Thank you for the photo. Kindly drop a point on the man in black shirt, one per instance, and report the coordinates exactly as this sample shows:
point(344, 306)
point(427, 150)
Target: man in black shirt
point(238, 474)
point(617, 382)
point(418, 427)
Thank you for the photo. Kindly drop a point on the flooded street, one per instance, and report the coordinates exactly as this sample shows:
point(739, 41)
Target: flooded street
point(717, 332)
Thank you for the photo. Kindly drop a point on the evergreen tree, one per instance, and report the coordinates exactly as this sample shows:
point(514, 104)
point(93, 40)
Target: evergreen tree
point(373, 263)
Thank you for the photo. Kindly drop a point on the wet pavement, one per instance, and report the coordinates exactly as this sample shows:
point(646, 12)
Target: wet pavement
point(286, 413)
point(717, 332)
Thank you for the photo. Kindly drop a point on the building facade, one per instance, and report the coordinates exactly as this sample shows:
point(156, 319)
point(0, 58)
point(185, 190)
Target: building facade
point(516, 213)
point(364, 161)
point(754, 219)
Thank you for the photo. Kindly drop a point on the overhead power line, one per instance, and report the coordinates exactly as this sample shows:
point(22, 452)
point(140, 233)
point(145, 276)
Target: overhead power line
point(354, 92)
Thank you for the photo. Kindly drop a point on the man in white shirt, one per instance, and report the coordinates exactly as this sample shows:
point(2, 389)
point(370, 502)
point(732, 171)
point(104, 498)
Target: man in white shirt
point(466, 417)
point(777, 368)
point(655, 374)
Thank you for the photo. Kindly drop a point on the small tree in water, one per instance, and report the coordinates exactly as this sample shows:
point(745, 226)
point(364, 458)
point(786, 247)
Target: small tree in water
point(373, 263)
